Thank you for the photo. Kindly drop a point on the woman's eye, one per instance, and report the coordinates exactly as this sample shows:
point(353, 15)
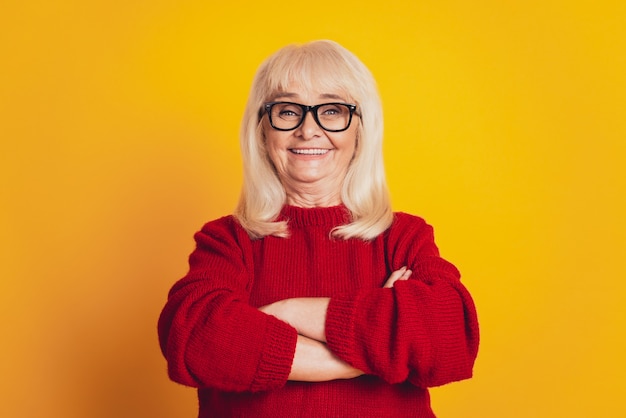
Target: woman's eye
point(331, 111)
point(289, 112)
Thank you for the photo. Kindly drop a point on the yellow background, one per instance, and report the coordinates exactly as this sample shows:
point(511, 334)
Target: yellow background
point(505, 129)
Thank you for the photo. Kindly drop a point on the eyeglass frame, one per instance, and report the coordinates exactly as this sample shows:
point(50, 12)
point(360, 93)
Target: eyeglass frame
point(313, 109)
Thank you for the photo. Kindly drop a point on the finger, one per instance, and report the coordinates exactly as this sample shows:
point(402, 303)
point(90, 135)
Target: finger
point(396, 275)
point(402, 274)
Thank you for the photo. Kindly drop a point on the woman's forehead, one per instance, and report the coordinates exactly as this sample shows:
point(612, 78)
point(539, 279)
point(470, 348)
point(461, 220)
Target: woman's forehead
point(311, 90)
point(298, 92)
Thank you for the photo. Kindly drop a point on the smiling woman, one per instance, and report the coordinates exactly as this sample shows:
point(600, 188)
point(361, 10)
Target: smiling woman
point(317, 73)
point(311, 161)
point(314, 298)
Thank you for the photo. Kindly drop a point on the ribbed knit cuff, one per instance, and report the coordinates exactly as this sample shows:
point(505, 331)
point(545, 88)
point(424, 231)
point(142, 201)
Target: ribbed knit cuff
point(340, 328)
point(277, 356)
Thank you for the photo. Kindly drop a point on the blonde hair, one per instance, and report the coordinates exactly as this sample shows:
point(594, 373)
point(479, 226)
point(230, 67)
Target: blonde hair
point(324, 65)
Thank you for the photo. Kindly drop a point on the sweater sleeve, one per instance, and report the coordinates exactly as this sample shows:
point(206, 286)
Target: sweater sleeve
point(209, 334)
point(424, 330)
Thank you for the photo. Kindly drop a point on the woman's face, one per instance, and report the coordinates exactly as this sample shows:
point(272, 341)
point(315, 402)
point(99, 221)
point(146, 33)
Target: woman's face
point(309, 160)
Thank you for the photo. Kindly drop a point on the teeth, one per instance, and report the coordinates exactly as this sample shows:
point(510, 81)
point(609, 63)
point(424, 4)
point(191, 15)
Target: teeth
point(310, 151)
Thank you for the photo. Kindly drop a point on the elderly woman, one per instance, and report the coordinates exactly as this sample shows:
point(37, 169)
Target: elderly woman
point(314, 298)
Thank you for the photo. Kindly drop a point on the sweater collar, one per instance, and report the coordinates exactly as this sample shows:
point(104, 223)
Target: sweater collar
point(331, 216)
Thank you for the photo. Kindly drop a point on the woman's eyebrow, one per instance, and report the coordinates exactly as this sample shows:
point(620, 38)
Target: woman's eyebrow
point(284, 95)
point(292, 96)
point(331, 96)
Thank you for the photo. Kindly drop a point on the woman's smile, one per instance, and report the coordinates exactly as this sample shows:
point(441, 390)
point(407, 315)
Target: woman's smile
point(309, 151)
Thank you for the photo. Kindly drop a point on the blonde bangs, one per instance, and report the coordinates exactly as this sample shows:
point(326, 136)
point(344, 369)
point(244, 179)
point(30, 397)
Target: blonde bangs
point(312, 67)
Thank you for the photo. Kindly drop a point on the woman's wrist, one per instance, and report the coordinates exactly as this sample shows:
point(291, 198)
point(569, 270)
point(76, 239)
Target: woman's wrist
point(306, 315)
point(314, 362)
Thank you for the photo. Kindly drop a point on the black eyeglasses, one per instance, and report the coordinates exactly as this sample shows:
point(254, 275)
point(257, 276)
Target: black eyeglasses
point(331, 117)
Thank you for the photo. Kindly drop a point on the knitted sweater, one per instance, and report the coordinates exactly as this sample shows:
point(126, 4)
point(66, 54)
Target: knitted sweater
point(423, 332)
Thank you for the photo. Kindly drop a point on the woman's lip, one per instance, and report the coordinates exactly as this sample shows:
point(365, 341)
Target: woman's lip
point(309, 151)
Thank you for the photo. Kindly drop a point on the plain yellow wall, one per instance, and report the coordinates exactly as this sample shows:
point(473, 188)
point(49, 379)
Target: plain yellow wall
point(505, 129)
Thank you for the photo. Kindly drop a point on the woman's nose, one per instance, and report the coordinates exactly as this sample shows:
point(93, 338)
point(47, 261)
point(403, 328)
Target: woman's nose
point(309, 128)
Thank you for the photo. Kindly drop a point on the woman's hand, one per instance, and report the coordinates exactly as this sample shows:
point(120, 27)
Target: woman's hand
point(402, 274)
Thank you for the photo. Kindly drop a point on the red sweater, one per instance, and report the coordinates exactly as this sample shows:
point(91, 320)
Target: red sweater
point(423, 332)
